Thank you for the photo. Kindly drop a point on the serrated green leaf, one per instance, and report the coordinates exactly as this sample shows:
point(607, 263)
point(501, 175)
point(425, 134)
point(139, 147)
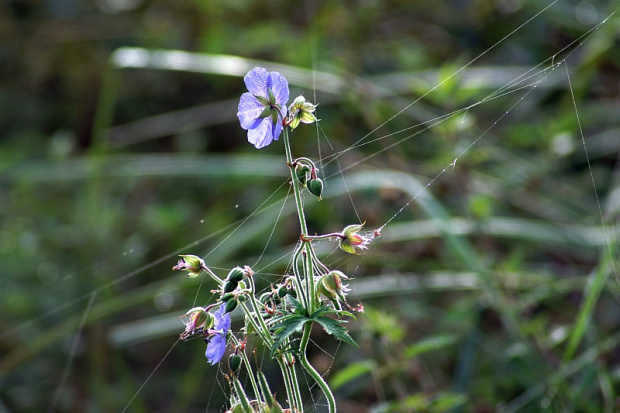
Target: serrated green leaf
point(283, 330)
point(333, 328)
point(329, 310)
point(299, 307)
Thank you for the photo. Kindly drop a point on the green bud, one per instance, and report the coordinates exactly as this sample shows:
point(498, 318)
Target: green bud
point(301, 111)
point(352, 229)
point(330, 285)
point(190, 263)
point(230, 305)
point(226, 297)
point(315, 186)
point(236, 274)
point(234, 362)
point(242, 298)
point(346, 247)
point(230, 286)
point(264, 297)
point(282, 292)
point(301, 171)
point(199, 321)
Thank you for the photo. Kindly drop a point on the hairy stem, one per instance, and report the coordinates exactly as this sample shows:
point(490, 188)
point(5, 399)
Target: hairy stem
point(310, 287)
point(305, 338)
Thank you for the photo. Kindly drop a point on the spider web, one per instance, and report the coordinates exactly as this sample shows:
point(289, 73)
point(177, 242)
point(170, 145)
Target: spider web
point(520, 90)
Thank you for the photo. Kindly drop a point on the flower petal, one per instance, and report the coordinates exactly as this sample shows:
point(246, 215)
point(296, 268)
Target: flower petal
point(249, 111)
point(256, 81)
point(262, 135)
point(276, 131)
point(216, 349)
point(279, 85)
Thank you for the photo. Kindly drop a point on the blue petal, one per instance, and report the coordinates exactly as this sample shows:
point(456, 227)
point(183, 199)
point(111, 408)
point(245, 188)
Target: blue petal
point(216, 349)
point(262, 135)
point(256, 81)
point(279, 86)
point(249, 111)
point(222, 320)
point(276, 131)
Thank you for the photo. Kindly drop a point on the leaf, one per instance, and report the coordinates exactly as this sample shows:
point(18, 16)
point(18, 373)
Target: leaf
point(283, 330)
point(333, 327)
point(329, 310)
point(429, 344)
point(351, 372)
point(299, 307)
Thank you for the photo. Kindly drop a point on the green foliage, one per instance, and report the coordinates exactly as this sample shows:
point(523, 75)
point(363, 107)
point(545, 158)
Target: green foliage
point(284, 326)
point(496, 288)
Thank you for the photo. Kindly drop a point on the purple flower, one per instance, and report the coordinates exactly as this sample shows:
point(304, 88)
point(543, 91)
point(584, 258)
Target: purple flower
point(216, 343)
point(262, 110)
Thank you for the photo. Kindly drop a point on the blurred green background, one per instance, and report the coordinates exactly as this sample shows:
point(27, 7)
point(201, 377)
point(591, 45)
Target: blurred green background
point(496, 289)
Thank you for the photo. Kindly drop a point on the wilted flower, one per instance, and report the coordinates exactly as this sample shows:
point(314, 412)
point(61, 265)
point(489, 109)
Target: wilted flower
point(301, 111)
point(350, 239)
point(216, 342)
point(261, 110)
point(199, 320)
point(330, 285)
point(192, 264)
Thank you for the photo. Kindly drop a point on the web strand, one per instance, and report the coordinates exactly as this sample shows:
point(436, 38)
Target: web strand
point(513, 86)
point(594, 190)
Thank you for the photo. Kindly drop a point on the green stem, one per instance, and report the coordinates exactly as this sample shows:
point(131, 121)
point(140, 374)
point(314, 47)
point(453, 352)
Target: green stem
point(248, 367)
point(305, 338)
point(261, 328)
point(288, 373)
point(298, 277)
point(290, 364)
point(290, 392)
point(310, 292)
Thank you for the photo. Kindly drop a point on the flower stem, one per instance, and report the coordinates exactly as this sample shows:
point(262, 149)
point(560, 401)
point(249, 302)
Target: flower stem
point(305, 338)
point(310, 293)
point(248, 366)
point(310, 287)
point(291, 395)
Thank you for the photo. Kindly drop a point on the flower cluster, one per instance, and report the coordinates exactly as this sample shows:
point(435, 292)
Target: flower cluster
point(311, 294)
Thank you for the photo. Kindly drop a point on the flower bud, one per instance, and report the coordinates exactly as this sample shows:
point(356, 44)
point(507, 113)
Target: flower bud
point(264, 297)
point(226, 297)
point(301, 171)
point(234, 362)
point(315, 186)
point(330, 285)
point(282, 292)
point(236, 274)
point(230, 286)
point(351, 238)
point(301, 111)
point(199, 320)
point(230, 305)
point(190, 263)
